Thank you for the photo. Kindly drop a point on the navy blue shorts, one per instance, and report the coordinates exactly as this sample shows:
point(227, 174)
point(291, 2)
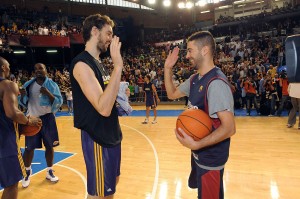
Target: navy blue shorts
point(12, 170)
point(48, 134)
point(208, 182)
point(151, 102)
point(102, 166)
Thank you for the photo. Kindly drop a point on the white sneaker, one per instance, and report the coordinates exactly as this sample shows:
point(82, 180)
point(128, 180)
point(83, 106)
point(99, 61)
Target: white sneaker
point(50, 176)
point(145, 122)
point(154, 122)
point(26, 180)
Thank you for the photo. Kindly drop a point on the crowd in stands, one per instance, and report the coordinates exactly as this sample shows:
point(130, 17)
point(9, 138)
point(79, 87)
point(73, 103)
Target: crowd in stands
point(26, 22)
point(287, 8)
point(252, 68)
point(251, 63)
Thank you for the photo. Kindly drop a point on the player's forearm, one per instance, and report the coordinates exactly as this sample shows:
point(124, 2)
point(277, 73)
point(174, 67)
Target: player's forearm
point(170, 88)
point(107, 99)
point(220, 134)
point(19, 117)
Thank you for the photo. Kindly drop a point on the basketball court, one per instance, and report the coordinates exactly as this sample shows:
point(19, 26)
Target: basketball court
point(263, 162)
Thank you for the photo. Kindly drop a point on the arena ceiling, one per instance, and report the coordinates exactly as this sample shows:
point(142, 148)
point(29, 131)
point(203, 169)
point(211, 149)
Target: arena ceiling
point(170, 5)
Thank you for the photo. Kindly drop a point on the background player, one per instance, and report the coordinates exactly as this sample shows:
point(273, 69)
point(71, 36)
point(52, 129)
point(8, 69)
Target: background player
point(151, 99)
point(42, 98)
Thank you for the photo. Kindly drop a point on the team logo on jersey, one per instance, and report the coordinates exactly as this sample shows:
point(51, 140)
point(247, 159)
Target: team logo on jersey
point(106, 79)
point(200, 88)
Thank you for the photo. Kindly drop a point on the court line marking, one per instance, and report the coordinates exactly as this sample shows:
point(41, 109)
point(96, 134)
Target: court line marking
point(73, 153)
point(78, 173)
point(155, 184)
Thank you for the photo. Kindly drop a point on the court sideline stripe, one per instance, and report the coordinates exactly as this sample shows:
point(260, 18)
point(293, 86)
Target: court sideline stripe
point(155, 184)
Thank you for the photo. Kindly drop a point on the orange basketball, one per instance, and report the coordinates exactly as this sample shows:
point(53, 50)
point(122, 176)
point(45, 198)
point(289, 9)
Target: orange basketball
point(27, 130)
point(194, 122)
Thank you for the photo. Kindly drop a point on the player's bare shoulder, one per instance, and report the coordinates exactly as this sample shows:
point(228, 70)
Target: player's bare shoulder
point(11, 86)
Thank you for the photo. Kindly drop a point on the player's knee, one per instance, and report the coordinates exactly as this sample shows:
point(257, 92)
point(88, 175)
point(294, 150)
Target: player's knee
point(49, 149)
point(12, 188)
point(29, 151)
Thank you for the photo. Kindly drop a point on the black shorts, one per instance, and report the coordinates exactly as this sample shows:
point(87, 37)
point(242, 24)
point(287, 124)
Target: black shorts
point(151, 102)
point(48, 134)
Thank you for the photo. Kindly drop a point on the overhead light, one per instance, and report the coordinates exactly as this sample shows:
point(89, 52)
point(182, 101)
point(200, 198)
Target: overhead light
point(216, 1)
point(241, 5)
point(167, 3)
point(259, 2)
point(151, 1)
point(240, 1)
point(206, 11)
point(223, 7)
point(189, 5)
point(19, 52)
point(51, 51)
point(201, 3)
point(181, 5)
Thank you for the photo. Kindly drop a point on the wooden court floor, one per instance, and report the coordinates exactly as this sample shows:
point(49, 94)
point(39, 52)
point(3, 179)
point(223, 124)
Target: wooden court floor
point(263, 163)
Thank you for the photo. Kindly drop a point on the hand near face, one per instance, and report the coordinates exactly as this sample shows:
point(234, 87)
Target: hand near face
point(115, 52)
point(172, 58)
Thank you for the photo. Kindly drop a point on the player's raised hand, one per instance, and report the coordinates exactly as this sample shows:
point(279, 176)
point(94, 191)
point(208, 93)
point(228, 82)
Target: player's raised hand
point(172, 58)
point(115, 52)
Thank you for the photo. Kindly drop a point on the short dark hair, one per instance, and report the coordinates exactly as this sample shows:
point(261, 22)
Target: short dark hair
point(96, 20)
point(204, 38)
point(148, 76)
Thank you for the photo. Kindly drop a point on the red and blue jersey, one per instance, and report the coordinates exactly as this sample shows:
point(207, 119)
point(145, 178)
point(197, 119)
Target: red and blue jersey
point(215, 155)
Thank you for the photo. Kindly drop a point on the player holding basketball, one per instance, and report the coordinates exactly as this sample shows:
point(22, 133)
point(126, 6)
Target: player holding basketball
point(42, 98)
point(11, 164)
point(207, 90)
point(95, 112)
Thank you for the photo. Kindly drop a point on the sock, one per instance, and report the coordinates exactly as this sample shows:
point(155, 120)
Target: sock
point(28, 168)
point(49, 168)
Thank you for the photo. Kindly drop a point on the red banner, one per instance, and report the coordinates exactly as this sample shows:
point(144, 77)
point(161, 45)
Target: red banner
point(41, 41)
point(76, 39)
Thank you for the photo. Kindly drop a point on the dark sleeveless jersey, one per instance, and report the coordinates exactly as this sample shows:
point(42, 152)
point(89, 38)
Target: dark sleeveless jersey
point(106, 131)
point(9, 135)
point(216, 155)
point(148, 89)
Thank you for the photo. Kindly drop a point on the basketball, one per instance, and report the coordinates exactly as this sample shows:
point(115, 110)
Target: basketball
point(27, 130)
point(194, 122)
